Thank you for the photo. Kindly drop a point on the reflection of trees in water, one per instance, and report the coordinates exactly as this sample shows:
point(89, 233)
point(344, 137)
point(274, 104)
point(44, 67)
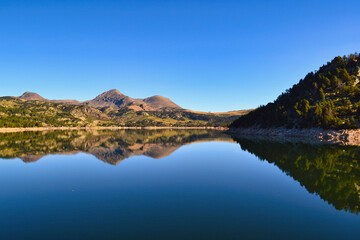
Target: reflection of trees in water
point(108, 146)
point(332, 172)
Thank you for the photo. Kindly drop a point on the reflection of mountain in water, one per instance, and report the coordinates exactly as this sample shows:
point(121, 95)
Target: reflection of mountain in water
point(332, 172)
point(108, 146)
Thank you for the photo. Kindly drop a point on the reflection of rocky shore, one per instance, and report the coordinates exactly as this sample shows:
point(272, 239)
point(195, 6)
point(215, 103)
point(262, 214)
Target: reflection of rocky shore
point(341, 137)
point(330, 171)
point(108, 146)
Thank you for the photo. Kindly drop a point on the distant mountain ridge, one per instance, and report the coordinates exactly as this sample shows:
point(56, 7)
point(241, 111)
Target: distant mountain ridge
point(36, 97)
point(109, 109)
point(115, 99)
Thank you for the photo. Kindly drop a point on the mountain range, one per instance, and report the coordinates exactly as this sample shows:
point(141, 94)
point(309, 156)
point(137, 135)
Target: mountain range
point(115, 99)
point(109, 109)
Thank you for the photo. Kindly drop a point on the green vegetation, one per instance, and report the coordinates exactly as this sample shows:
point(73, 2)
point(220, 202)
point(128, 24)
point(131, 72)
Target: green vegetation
point(20, 113)
point(328, 98)
point(330, 171)
point(15, 112)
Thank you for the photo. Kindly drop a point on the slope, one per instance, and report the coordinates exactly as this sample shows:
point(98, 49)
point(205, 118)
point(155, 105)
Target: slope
point(328, 98)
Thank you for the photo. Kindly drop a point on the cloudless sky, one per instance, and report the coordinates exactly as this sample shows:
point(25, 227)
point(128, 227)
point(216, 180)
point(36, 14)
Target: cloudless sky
point(204, 55)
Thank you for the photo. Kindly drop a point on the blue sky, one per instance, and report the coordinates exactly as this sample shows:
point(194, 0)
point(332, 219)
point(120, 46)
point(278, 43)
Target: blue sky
point(204, 55)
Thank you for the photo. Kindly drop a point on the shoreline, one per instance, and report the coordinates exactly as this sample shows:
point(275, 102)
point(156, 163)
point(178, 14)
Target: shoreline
point(317, 135)
point(7, 130)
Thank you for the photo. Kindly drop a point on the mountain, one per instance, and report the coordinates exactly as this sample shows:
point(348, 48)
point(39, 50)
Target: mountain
point(114, 98)
point(32, 96)
point(158, 102)
point(328, 98)
point(18, 112)
point(37, 97)
point(109, 109)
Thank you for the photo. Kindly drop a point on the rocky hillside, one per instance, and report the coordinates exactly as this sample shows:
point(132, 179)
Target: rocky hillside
point(116, 99)
point(328, 98)
point(113, 110)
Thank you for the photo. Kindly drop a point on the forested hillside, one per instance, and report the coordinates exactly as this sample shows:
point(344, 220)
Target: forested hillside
point(328, 98)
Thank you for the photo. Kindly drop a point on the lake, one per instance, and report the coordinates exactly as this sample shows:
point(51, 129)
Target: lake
point(175, 184)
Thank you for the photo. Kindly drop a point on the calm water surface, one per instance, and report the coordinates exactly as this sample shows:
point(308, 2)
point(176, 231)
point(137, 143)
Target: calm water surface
point(174, 185)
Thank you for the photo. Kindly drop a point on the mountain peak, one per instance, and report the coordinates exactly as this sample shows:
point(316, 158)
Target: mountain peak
point(32, 96)
point(158, 102)
point(113, 93)
point(157, 97)
point(111, 98)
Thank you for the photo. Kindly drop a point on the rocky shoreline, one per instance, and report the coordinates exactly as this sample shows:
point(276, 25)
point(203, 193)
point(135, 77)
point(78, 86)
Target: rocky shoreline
point(5, 130)
point(341, 137)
